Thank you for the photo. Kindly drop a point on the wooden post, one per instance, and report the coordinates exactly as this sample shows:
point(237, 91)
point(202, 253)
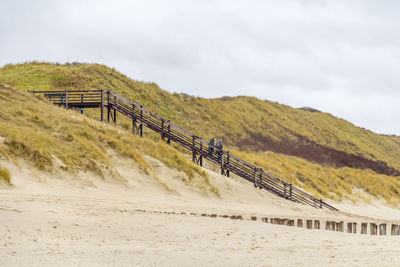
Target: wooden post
point(102, 105)
point(201, 157)
point(169, 131)
point(222, 162)
point(290, 191)
point(66, 98)
point(227, 163)
point(299, 222)
point(108, 106)
point(350, 227)
point(255, 177)
point(162, 129)
point(382, 229)
point(395, 229)
point(364, 228)
point(284, 190)
point(82, 104)
point(331, 225)
point(115, 110)
point(373, 229)
point(193, 149)
point(141, 120)
point(339, 226)
point(133, 119)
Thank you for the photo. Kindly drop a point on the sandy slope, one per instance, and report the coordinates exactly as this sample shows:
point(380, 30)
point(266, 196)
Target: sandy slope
point(49, 219)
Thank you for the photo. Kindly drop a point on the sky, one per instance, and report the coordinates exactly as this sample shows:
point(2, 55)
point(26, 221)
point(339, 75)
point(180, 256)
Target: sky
point(339, 56)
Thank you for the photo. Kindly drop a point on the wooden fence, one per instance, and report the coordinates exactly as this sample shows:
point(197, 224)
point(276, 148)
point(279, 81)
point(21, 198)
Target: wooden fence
point(140, 116)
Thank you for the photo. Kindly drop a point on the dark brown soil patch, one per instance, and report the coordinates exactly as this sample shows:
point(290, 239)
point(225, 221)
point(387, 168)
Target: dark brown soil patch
point(307, 149)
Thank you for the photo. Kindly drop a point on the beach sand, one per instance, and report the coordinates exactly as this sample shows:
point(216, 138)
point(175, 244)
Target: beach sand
point(50, 219)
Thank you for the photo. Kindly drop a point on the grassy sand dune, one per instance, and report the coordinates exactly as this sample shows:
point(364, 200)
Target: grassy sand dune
point(82, 192)
point(51, 138)
point(247, 123)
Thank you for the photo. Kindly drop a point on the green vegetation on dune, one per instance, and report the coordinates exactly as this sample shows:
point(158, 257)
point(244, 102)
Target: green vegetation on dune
point(245, 123)
point(248, 123)
point(46, 135)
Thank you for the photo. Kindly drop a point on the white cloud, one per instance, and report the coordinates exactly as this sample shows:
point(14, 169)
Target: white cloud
point(338, 56)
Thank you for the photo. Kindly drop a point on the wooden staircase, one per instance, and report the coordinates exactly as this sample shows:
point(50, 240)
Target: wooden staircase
point(140, 116)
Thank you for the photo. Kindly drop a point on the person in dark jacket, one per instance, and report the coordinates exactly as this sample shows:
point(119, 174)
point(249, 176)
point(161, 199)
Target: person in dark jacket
point(211, 146)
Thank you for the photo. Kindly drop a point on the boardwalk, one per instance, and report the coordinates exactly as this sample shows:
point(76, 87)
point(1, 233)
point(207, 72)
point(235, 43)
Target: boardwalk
point(112, 103)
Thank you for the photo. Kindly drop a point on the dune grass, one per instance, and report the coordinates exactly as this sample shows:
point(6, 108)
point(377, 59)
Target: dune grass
point(325, 181)
point(5, 176)
point(44, 134)
point(234, 119)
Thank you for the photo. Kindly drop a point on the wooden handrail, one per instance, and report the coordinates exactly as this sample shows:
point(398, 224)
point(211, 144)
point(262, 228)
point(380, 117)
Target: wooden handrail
point(189, 141)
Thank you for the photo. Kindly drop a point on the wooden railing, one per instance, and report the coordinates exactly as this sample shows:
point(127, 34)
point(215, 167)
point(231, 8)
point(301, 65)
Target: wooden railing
point(199, 147)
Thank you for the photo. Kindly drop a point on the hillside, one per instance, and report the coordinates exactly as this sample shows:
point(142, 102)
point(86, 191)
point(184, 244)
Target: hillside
point(246, 123)
point(51, 138)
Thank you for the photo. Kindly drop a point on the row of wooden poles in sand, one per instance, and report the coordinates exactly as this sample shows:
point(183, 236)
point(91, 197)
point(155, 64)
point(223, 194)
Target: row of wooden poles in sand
point(372, 228)
point(339, 226)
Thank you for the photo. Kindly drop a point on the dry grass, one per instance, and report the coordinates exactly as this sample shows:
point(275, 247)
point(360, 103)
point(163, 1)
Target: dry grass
point(325, 181)
point(231, 118)
point(41, 133)
point(5, 176)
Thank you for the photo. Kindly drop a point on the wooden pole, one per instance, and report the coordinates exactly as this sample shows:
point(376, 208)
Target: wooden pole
point(255, 177)
point(284, 191)
point(102, 105)
point(162, 129)
point(169, 131)
point(66, 98)
point(193, 148)
point(201, 157)
point(133, 119)
point(227, 163)
point(115, 110)
point(222, 163)
point(141, 120)
point(309, 224)
point(108, 106)
point(364, 228)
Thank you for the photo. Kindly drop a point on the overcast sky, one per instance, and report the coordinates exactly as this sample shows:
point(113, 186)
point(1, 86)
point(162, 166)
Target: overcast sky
point(342, 57)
